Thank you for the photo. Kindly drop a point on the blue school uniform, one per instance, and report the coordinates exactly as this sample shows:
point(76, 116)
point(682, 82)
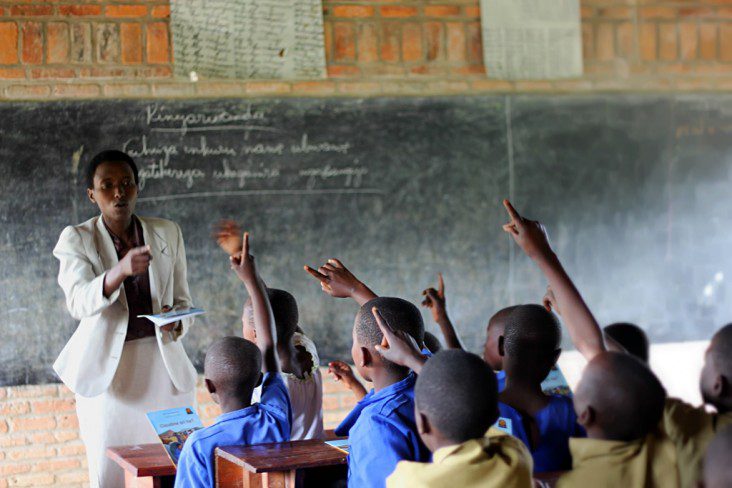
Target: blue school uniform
point(266, 421)
point(556, 423)
point(501, 379)
point(382, 432)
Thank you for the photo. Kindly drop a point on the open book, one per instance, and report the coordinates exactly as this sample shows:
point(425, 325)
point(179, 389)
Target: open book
point(173, 427)
point(173, 316)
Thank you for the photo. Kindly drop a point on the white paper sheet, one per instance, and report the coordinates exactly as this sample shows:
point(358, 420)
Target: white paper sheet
point(531, 39)
point(248, 39)
point(173, 316)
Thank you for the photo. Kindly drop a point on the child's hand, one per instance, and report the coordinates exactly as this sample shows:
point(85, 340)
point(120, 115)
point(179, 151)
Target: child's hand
point(341, 371)
point(397, 346)
point(435, 300)
point(528, 234)
point(338, 282)
point(227, 234)
point(243, 263)
point(550, 301)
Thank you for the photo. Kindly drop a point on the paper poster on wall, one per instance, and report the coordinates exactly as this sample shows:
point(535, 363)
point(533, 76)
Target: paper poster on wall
point(531, 39)
point(248, 39)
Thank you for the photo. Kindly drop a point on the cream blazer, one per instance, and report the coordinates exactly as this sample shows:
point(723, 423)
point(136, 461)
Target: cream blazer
point(89, 360)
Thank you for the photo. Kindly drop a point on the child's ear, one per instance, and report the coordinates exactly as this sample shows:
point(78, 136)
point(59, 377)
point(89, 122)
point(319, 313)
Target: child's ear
point(586, 417)
point(90, 194)
point(501, 346)
point(259, 380)
point(210, 386)
point(367, 359)
point(423, 424)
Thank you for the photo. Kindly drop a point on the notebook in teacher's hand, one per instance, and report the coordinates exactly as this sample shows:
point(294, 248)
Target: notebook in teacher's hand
point(173, 426)
point(166, 318)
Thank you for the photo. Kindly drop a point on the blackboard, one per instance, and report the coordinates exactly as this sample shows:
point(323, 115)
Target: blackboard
point(634, 190)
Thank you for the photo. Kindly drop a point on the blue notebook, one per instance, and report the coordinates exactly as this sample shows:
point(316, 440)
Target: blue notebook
point(173, 426)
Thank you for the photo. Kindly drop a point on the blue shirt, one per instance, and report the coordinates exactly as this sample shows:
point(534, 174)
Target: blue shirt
point(556, 423)
point(501, 379)
point(266, 421)
point(382, 432)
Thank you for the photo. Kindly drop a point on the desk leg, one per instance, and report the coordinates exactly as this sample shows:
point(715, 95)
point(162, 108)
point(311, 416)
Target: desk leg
point(230, 475)
point(132, 481)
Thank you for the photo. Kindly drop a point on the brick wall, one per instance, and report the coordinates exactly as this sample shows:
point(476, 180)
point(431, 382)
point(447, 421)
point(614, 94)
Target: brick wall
point(95, 48)
point(108, 48)
point(39, 436)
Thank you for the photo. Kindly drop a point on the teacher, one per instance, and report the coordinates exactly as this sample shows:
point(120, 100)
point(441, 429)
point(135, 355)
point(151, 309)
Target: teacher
point(114, 267)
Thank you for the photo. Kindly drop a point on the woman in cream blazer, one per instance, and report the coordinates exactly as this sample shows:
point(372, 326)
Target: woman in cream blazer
point(118, 377)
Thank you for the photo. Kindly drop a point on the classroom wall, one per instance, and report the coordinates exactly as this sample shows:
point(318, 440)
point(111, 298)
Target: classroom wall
point(105, 49)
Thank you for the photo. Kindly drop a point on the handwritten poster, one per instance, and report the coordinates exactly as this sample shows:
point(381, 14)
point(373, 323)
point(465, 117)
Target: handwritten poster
point(248, 39)
point(531, 39)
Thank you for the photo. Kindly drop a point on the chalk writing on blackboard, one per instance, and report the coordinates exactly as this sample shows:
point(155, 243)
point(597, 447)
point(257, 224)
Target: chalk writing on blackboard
point(248, 39)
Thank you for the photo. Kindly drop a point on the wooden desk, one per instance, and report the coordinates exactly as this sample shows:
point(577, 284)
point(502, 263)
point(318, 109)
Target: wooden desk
point(282, 465)
point(145, 465)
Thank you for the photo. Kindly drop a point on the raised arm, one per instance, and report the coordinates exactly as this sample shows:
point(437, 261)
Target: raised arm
point(244, 267)
point(397, 346)
point(337, 281)
point(436, 302)
point(581, 324)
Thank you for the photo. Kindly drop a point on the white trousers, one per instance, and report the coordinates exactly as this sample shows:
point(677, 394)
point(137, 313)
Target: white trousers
point(117, 416)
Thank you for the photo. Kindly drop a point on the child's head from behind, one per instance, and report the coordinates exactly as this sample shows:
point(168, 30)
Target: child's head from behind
point(530, 345)
point(631, 337)
point(717, 471)
point(400, 315)
point(493, 332)
point(716, 376)
point(232, 368)
point(286, 316)
point(618, 398)
point(456, 398)
point(432, 343)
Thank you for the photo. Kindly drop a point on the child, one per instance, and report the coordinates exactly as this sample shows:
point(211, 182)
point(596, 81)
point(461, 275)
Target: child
point(631, 337)
point(717, 471)
point(455, 403)
point(432, 343)
point(381, 428)
point(619, 401)
point(297, 353)
point(530, 348)
point(233, 368)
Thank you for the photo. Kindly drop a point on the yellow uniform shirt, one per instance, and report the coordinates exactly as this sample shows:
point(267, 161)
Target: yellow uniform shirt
point(498, 460)
point(597, 463)
point(691, 429)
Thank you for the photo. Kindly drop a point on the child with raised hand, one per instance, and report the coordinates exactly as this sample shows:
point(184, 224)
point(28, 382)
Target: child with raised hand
point(455, 404)
point(337, 281)
point(298, 355)
point(232, 369)
point(619, 401)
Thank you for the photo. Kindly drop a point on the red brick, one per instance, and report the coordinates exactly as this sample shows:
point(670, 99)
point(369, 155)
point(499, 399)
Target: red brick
point(81, 45)
point(605, 41)
point(308, 87)
point(658, 12)
point(389, 47)
point(53, 406)
point(24, 92)
point(72, 478)
point(14, 407)
point(11, 73)
point(343, 71)
point(397, 11)
point(708, 42)
point(725, 42)
point(359, 87)
point(8, 43)
point(57, 42)
point(668, 42)
point(72, 421)
point(625, 39)
point(588, 41)
point(32, 43)
point(8, 469)
point(328, 41)
point(434, 33)
point(131, 40)
point(616, 13)
point(160, 11)
point(107, 42)
point(56, 465)
point(412, 42)
point(30, 10)
point(330, 403)
point(648, 42)
point(353, 11)
point(158, 44)
point(125, 11)
point(80, 10)
point(474, 41)
point(473, 69)
point(49, 73)
point(368, 43)
point(72, 450)
point(455, 41)
point(39, 479)
point(33, 423)
point(344, 41)
point(441, 10)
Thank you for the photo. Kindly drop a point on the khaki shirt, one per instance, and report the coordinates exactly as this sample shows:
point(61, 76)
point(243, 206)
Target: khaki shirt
point(598, 463)
point(498, 460)
point(691, 429)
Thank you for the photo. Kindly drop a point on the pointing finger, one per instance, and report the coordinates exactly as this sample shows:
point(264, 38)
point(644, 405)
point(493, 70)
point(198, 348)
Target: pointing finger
point(440, 286)
point(322, 278)
point(512, 212)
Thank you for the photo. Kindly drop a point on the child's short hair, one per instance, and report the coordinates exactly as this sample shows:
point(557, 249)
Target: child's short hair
point(398, 313)
point(532, 338)
point(109, 156)
point(233, 364)
point(627, 396)
point(458, 392)
point(721, 351)
point(500, 317)
point(286, 315)
point(631, 337)
point(431, 342)
point(717, 467)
